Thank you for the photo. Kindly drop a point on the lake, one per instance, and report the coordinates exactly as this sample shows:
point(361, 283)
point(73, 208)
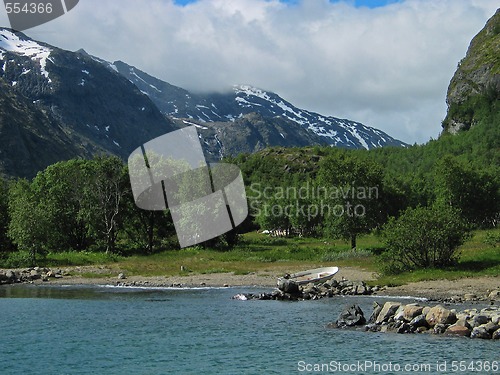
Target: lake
point(113, 330)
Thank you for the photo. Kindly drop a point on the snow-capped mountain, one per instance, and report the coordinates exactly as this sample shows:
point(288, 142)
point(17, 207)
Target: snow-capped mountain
point(57, 105)
point(245, 99)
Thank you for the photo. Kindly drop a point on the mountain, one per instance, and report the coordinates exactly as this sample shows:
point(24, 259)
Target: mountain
point(224, 110)
point(56, 105)
point(475, 87)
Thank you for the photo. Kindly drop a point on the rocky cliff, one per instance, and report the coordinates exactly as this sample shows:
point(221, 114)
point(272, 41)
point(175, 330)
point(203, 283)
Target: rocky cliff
point(475, 88)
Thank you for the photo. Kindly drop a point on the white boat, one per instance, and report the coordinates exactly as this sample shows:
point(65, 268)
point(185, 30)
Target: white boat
point(312, 276)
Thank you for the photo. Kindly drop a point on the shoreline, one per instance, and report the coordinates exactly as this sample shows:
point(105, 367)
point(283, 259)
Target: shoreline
point(460, 290)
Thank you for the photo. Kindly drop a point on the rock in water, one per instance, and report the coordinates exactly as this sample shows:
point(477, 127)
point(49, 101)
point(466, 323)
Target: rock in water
point(458, 330)
point(480, 333)
point(288, 286)
point(376, 311)
point(440, 315)
point(351, 316)
point(387, 311)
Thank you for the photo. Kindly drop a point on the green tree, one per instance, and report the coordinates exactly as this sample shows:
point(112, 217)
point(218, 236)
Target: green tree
point(61, 189)
point(5, 243)
point(475, 193)
point(29, 226)
point(353, 189)
point(423, 237)
point(108, 186)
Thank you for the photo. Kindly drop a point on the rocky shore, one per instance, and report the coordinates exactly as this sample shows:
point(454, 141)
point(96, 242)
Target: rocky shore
point(29, 275)
point(416, 318)
point(290, 291)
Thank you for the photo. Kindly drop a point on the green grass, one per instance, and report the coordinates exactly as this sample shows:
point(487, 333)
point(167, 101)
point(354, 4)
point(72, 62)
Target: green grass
point(478, 257)
point(256, 252)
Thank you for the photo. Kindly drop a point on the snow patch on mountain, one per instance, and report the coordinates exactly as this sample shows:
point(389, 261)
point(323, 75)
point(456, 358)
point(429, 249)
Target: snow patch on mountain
point(11, 42)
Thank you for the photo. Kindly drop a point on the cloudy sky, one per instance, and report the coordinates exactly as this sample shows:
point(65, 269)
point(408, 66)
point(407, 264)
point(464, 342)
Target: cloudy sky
point(386, 63)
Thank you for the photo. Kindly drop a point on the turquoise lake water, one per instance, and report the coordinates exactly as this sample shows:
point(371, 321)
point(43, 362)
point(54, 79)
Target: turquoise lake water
point(104, 330)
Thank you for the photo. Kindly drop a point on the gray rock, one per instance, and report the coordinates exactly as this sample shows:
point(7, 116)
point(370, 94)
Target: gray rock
point(479, 320)
point(470, 297)
point(491, 327)
point(34, 274)
point(398, 315)
point(495, 318)
point(288, 286)
point(480, 333)
point(422, 329)
point(439, 328)
point(418, 321)
point(121, 276)
point(372, 327)
point(351, 316)
point(387, 311)
point(405, 328)
point(496, 335)
point(494, 295)
point(376, 311)
point(463, 323)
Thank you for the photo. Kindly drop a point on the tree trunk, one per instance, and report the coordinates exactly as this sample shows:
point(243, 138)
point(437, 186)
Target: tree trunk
point(353, 241)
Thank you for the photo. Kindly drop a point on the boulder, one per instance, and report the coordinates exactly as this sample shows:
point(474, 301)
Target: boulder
point(479, 320)
point(463, 323)
point(387, 311)
point(458, 330)
point(418, 321)
point(422, 330)
point(398, 315)
point(376, 311)
point(480, 333)
point(496, 335)
point(440, 315)
point(351, 316)
point(494, 295)
point(411, 311)
point(405, 328)
point(35, 274)
point(121, 276)
point(491, 327)
point(495, 318)
point(439, 328)
point(10, 275)
point(372, 327)
point(470, 297)
point(288, 286)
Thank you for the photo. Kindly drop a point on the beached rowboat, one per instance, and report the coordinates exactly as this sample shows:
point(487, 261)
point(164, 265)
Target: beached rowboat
point(312, 276)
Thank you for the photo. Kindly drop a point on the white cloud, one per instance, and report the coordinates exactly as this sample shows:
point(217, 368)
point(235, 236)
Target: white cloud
point(387, 67)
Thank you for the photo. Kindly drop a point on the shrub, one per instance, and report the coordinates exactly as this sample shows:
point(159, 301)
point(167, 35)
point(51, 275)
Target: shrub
point(423, 237)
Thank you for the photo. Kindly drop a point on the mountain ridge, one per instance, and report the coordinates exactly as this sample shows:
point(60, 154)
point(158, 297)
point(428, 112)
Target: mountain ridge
point(241, 100)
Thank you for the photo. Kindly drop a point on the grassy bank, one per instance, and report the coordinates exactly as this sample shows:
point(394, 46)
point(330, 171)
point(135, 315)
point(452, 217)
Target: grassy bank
point(480, 256)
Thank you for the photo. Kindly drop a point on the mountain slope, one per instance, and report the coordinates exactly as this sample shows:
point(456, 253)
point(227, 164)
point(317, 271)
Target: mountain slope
point(243, 100)
point(74, 104)
point(475, 87)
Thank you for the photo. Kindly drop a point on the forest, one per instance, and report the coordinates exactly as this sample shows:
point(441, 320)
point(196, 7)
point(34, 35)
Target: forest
point(422, 201)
